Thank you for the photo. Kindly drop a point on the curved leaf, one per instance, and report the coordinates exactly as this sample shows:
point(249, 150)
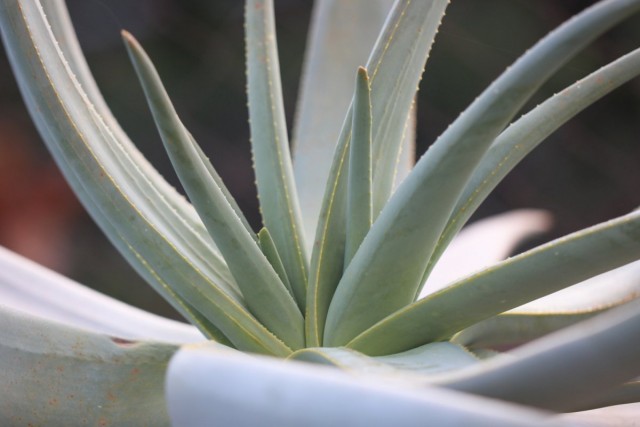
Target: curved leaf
point(564, 370)
point(386, 272)
point(178, 217)
point(526, 133)
point(509, 284)
point(555, 311)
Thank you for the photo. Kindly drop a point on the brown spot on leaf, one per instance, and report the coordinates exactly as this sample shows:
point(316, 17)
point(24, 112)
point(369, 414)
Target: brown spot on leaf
point(123, 342)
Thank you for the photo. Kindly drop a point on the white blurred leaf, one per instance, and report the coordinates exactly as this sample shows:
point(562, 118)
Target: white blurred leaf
point(483, 243)
point(33, 289)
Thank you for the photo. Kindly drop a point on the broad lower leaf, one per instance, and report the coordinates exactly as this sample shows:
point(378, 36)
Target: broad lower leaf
point(341, 37)
point(359, 209)
point(208, 386)
point(526, 133)
point(387, 271)
point(564, 370)
point(395, 67)
point(55, 375)
point(265, 294)
point(33, 289)
point(270, 143)
point(509, 284)
point(116, 195)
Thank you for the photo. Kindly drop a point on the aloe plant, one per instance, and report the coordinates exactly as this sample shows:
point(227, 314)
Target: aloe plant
point(350, 268)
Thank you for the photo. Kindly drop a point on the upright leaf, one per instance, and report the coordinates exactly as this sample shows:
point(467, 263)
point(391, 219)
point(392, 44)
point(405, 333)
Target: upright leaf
point(387, 270)
point(359, 214)
point(264, 292)
point(522, 136)
point(509, 284)
point(270, 144)
point(340, 39)
point(395, 67)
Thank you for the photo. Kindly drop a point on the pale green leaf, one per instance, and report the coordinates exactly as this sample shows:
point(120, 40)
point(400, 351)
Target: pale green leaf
point(562, 371)
point(386, 272)
point(271, 252)
point(207, 386)
point(359, 192)
point(116, 195)
point(341, 37)
point(270, 144)
point(55, 375)
point(509, 284)
point(526, 133)
point(395, 67)
point(263, 291)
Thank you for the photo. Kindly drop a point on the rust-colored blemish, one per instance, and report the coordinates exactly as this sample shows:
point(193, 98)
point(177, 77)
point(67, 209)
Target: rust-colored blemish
point(111, 397)
point(122, 342)
point(53, 402)
point(135, 372)
point(102, 422)
point(60, 369)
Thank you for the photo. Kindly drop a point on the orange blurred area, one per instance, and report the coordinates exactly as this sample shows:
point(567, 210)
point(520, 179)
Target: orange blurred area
point(37, 207)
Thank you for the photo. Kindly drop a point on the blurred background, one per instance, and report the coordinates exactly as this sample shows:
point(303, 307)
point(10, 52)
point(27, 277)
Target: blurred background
point(587, 172)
